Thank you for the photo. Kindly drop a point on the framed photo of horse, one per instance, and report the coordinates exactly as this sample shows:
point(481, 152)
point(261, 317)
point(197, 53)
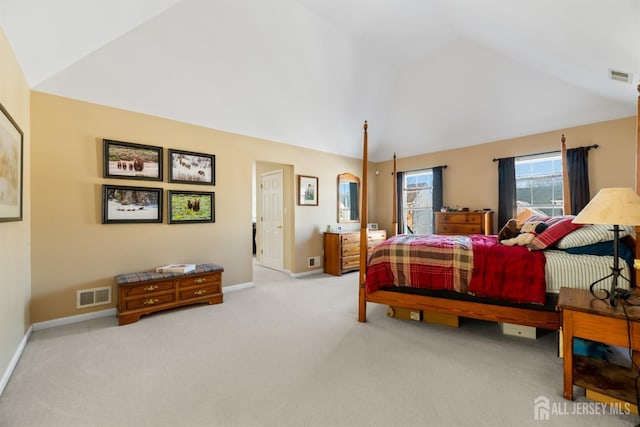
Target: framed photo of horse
point(191, 206)
point(127, 160)
point(188, 167)
point(11, 160)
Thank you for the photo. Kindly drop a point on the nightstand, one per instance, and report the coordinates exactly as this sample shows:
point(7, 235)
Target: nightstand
point(584, 316)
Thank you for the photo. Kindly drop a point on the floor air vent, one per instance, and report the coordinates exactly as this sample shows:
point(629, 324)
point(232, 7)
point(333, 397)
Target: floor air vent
point(90, 297)
point(620, 76)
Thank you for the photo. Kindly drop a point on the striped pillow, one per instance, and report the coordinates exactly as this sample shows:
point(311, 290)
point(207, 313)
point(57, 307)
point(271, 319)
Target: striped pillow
point(558, 229)
point(590, 234)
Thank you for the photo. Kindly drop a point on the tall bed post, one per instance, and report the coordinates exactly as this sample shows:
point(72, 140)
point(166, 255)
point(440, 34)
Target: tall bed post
point(362, 300)
point(636, 263)
point(394, 202)
point(565, 178)
point(638, 146)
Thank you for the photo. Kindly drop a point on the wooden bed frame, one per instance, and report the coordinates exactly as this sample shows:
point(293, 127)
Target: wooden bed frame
point(477, 310)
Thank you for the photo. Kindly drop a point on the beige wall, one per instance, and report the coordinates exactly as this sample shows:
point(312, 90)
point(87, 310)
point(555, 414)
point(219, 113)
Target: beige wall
point(15, 237)
point(471, 177)
point(72, 250)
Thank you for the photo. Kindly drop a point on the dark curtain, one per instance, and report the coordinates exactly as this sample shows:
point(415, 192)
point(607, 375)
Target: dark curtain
point(507, 198)
point(401, 225)
point(578, 172)
point(438, 200)
point(353, 200)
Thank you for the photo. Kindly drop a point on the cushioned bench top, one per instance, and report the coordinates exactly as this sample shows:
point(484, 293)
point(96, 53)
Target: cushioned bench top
point(126, 278)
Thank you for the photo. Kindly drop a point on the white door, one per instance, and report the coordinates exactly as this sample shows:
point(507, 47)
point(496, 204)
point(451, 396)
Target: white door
point(272, 221)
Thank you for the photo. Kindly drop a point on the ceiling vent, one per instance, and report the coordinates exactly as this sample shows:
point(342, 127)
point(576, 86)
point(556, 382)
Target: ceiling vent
point(620, 76)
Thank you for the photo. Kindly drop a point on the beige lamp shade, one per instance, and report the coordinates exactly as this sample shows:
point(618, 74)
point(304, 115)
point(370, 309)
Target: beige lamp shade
point(613, 206)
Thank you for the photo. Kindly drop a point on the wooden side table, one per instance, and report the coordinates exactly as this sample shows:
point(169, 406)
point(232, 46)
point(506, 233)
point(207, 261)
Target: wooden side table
point(584, 316)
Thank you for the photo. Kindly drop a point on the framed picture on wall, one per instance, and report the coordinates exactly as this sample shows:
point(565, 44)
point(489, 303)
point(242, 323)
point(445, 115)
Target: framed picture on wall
point(191, 207)
point(126, 160)
point(123, 204)
point(307, 190)
point(11, 159)
point(192, 168)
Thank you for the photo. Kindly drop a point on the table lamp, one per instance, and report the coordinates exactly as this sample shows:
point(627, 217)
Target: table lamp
point(612, 206)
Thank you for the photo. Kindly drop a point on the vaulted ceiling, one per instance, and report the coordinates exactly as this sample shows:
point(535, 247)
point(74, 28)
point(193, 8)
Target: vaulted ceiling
point(428, 75)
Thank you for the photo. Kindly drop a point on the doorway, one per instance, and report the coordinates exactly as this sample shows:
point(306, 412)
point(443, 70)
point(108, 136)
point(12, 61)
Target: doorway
point(272, 219)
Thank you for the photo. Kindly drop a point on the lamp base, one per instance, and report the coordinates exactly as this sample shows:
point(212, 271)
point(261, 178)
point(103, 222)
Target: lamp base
point(614, 293)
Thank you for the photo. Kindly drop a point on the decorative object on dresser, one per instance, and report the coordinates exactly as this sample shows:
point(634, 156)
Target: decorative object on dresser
point(342, 249)
point(147, 292)
point(464, 223)
point(176, 268)
point(348, 198)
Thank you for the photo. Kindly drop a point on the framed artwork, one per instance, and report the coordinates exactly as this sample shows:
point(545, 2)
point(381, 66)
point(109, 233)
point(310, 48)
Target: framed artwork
point(192, 168)
point(122, 204)
point(126, 160)
point(11, 159)
point(191, 206)
point(307, 190)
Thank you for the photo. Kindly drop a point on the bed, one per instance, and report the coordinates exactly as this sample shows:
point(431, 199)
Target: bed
point(467, 276)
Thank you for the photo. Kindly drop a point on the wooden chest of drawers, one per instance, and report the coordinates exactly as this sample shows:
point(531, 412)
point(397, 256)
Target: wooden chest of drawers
point(148, 292)
point(342, 250)
point(463, 223)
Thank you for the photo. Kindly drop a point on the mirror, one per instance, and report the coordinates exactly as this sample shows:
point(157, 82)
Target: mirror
point(348, 198)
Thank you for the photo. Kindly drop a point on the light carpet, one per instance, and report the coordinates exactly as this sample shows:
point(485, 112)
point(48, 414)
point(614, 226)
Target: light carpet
point(289, 352)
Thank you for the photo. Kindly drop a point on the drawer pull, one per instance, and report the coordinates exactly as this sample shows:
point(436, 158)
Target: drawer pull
point(200, 280)
point(151, 301)
point(200, 292)
point(151, 288)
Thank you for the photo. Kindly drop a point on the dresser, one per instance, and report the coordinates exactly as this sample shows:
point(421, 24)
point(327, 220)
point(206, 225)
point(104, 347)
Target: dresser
point(463, 223)
point(342, 250)
point(147, 292)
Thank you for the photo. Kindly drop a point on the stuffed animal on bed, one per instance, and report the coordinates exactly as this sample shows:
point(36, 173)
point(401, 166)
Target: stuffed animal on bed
point(510, 230)
point(528, 231)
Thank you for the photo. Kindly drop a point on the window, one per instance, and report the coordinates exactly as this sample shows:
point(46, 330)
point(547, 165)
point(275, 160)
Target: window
point(539, 184)
point(417, 202)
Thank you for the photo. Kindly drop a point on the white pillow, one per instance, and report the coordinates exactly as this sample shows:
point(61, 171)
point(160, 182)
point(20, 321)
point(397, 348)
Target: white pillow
point(590, 234)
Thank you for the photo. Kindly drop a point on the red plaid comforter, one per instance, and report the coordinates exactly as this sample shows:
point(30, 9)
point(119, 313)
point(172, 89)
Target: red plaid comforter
point(474, 264)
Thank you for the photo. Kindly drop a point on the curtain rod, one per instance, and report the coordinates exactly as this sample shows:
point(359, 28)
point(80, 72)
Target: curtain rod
point(589, 147)
point(430, 167)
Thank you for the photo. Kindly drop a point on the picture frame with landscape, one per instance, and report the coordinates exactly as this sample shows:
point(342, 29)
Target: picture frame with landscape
point(128, 160)
point(190, 206)
point(11, 168)
point(125, 204)
point(189, 167)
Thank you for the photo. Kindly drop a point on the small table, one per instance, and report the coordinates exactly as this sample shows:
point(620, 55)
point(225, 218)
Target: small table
point(584, 316)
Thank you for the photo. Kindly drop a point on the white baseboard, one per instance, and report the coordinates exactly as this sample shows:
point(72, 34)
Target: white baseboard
point(14, 360)
point(307, 273)
point(237, 287)
point(74, 319)
point(110, 312)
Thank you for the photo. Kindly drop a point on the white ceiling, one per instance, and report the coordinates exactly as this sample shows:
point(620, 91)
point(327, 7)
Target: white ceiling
point(428, 75)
